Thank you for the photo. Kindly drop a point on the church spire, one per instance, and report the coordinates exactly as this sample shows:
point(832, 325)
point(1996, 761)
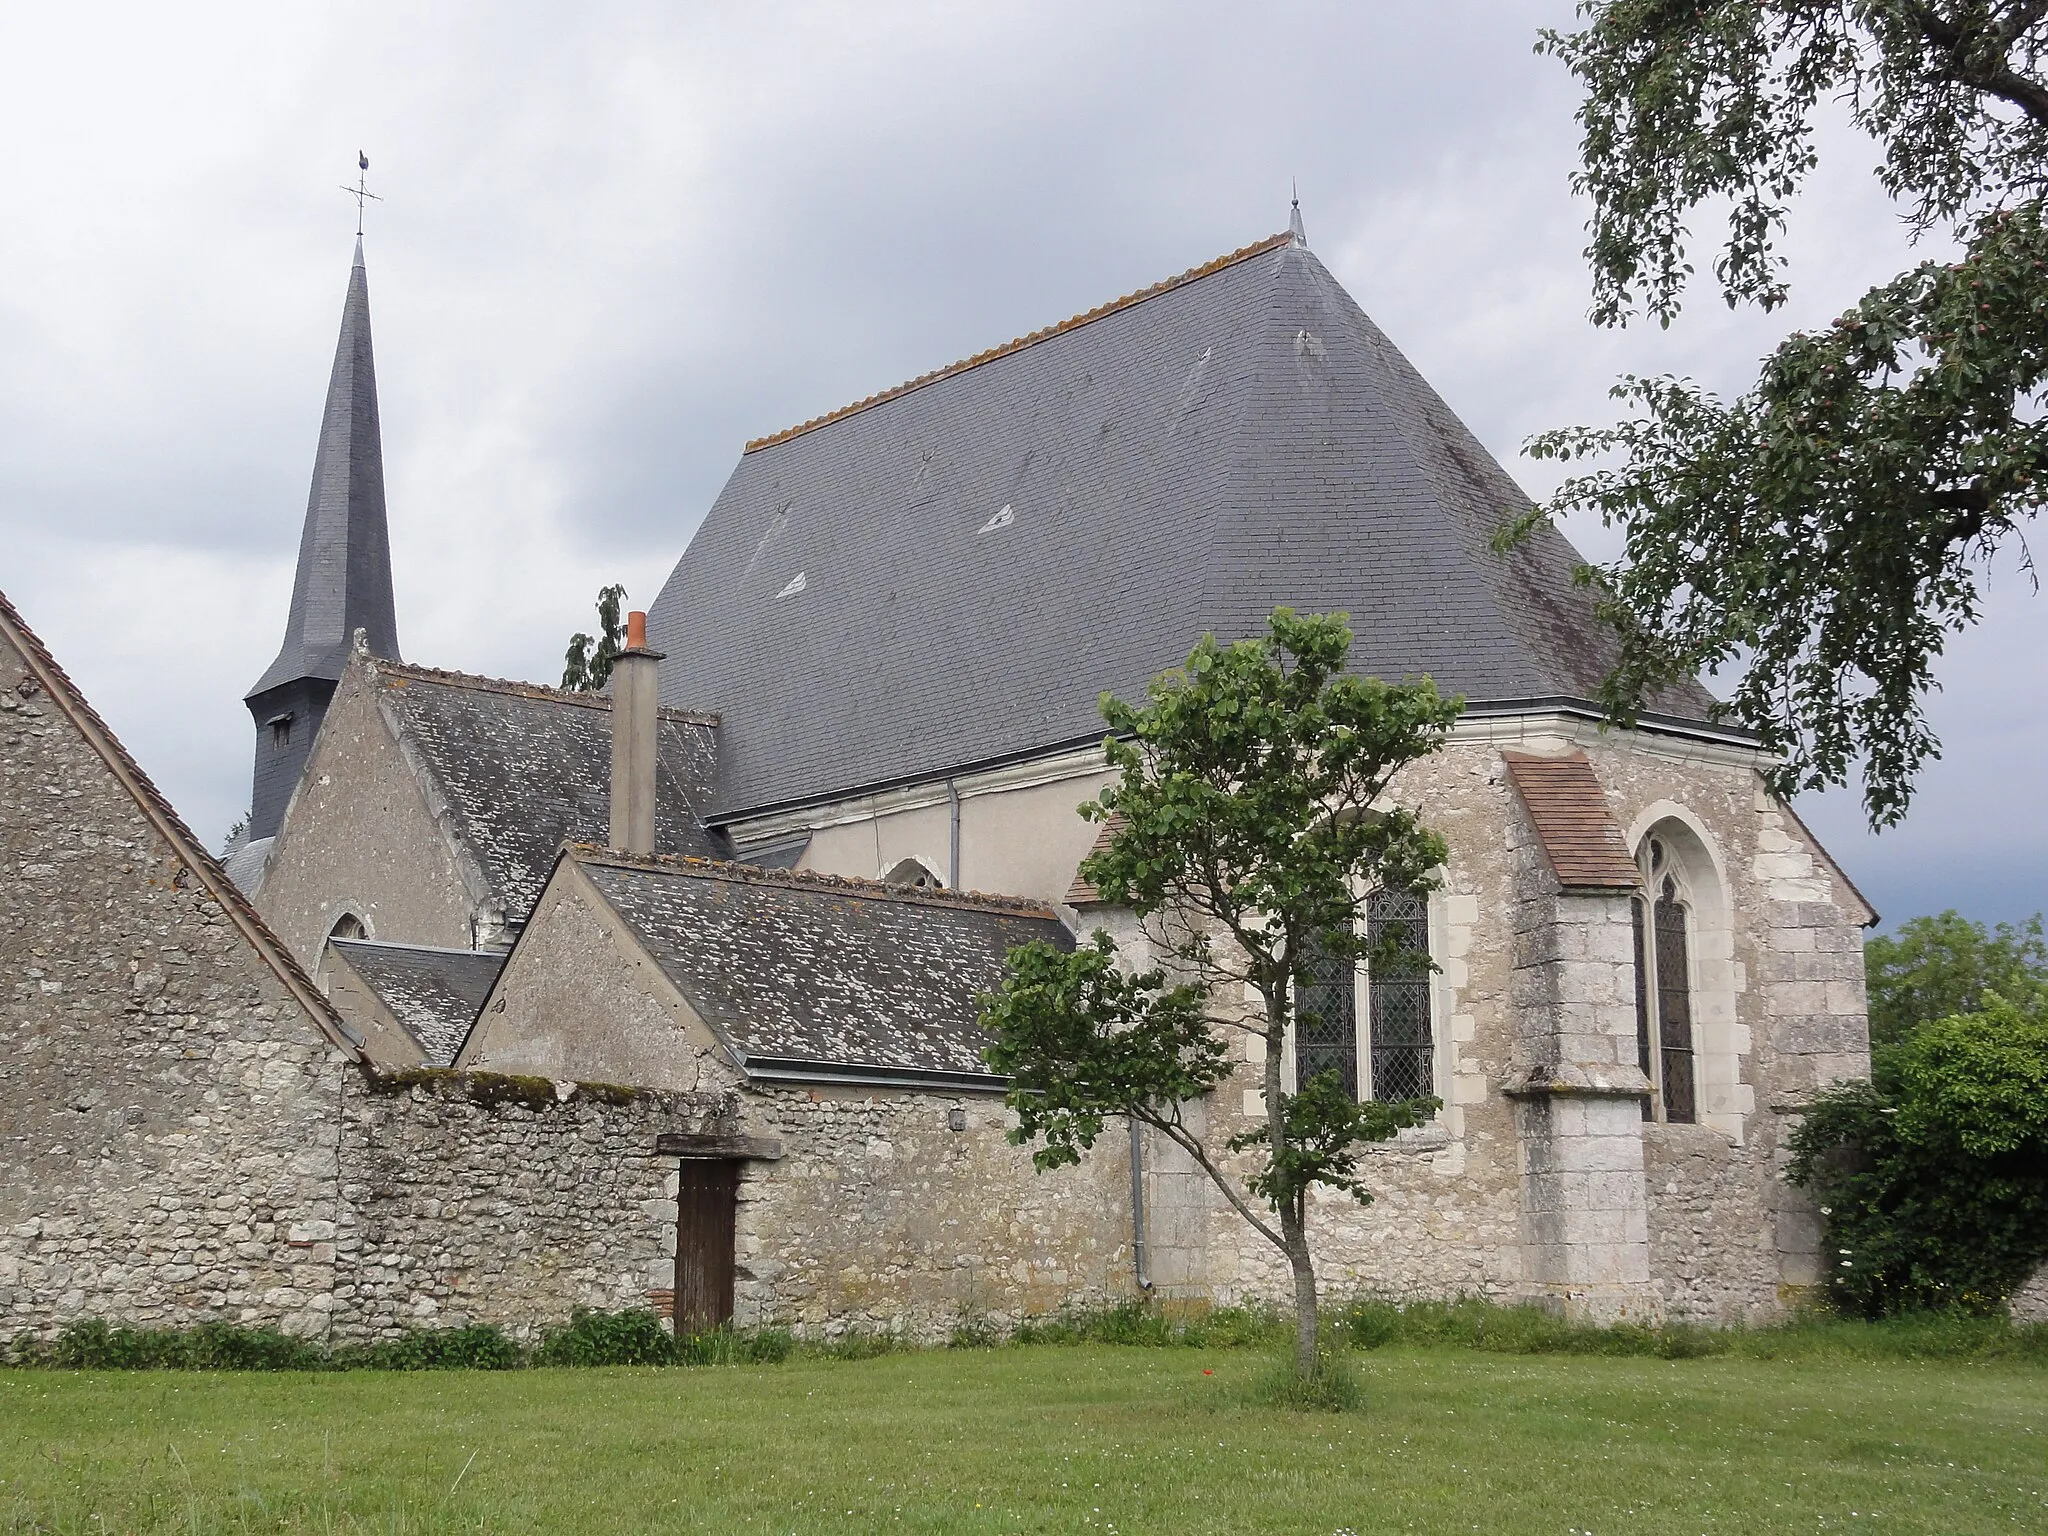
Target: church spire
point(344, 576)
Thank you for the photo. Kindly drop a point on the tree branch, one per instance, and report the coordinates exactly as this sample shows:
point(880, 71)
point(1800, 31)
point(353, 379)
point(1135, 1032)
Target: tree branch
point(2002, 81)
point(1186, 1140)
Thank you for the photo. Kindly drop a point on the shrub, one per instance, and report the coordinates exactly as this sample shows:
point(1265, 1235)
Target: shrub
point(1933, 1175)
point(95, 1345)
point(1145, 1323)
point(974, 1331)
point(631, 1337)
point(479, 1347)
point(856, 1346)
point(727, 1346)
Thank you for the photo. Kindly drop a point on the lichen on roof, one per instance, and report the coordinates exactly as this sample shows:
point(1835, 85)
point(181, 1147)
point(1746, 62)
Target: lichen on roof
point(791, 967)
point(526, 769)
point(434, 994)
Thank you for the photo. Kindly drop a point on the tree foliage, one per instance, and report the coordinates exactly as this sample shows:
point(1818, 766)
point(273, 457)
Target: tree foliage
point(1830, 528)
point(587, 666)
point(1250, 816)
point(1933, 1175)
point(1934, 967)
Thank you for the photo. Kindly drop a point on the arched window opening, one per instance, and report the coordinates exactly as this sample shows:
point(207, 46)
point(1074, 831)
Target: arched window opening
point(913, 872)
point(1664, 1014)
point(1674, 1006)
point(348, 926)
point(1394, 1056)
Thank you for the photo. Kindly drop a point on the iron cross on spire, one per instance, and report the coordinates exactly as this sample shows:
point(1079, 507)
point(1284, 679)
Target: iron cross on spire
point(361, 190)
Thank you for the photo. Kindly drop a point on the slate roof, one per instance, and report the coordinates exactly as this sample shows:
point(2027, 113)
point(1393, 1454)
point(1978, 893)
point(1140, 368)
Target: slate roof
point(526, 769)
point(434, 993)
point(1586, 847)
point(804, 975)
point(344, 576)
point(950, 573)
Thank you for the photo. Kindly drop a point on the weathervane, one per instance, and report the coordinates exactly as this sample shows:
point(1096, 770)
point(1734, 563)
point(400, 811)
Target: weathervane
point(361, 190)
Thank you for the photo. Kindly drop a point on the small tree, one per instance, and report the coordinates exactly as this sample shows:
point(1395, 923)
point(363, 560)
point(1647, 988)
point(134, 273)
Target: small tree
point(1935, 967)
point(586, 669)
point(1249, 823)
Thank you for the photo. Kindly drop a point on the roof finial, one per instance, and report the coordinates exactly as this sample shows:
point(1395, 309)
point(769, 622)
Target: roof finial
point(1294, 220)
point(361, 193)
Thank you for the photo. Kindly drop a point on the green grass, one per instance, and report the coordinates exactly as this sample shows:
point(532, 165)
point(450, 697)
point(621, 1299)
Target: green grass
point(1089, 1438)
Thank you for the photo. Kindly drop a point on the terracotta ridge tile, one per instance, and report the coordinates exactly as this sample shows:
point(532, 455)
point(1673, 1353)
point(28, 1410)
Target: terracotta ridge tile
point(807, 879)
point(1074, 323)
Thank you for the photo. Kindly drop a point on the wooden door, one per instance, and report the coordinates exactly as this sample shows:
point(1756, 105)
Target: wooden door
point(707, 1200)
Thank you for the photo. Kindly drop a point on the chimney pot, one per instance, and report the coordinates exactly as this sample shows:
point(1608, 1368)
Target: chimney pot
point(636, 631)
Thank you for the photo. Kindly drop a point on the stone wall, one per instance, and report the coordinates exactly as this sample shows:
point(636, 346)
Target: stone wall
point(882, 1216)
point(168, 1112)
point(473, 1199)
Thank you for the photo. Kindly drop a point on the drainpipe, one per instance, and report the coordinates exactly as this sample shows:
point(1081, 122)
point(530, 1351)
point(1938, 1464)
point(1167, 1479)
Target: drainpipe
point(1138, 1256)
point(953, 865)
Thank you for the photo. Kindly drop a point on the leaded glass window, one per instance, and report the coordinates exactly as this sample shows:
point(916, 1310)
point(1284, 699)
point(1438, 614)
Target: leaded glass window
point(1663, 952)
point(1403, 1048)
point(1674, 1006)
point(1645, 1058)
point(1326, 1018)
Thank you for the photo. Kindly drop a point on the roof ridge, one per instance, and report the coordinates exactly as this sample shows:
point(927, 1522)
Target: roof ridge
point(100, 737)
point(540, 692)
point(1073, 323)
point(429, 949)
point(809, 879)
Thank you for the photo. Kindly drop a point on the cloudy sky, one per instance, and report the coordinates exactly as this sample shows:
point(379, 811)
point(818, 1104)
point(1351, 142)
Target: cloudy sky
point(619, 239)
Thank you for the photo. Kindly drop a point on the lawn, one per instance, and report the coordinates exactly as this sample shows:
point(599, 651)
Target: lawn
point(1090, 1438)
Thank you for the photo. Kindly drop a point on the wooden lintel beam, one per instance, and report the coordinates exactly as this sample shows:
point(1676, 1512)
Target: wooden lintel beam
point(698, 1144)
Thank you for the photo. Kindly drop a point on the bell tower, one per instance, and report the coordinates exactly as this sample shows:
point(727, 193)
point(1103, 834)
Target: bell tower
point(344, 575)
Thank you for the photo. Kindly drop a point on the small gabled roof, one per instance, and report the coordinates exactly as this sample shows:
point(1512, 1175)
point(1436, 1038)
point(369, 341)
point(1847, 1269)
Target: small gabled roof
point(1082, 892)
point(434, 994)
point(1586, 847)
point(950, 573)
point(525, 769)
point(169, 825)
point(818, 977)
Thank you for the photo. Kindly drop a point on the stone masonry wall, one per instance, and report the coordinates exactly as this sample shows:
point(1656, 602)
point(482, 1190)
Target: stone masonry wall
point(360, 839)
point(168, 1114)
point(881, 1216)
point(460, 1209)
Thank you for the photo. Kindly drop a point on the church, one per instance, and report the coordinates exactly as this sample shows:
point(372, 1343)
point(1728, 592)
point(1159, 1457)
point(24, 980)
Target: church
point(669, 995)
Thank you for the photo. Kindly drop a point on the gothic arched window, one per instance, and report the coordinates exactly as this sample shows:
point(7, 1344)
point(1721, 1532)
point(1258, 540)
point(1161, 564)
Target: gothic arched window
point(1394, 1056)
point(348, 926)
point(1664, 1024)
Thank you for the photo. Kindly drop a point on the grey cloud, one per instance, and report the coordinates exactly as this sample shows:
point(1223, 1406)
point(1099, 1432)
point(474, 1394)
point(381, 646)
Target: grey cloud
point(621, 239)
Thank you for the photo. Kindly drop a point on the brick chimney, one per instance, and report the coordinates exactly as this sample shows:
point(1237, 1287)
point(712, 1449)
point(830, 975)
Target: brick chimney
point(636, 711)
